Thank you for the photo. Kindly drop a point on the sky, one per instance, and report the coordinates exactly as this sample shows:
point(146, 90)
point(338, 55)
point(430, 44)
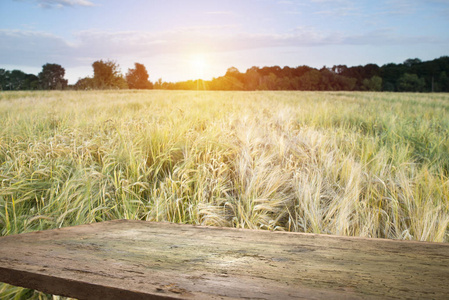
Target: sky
point(180, 40)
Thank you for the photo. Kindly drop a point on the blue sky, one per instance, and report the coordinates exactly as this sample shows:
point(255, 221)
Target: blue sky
point(180, 40)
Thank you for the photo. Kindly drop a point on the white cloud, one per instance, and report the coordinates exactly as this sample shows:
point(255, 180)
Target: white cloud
point(30, 48)
point(62, 3)
point(25, 47)
point(410, 7)
point(226, 12)
point(400, 7)
point(20, 46)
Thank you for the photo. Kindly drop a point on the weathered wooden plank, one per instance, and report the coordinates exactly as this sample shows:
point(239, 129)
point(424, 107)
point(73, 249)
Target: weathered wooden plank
point(145, 260)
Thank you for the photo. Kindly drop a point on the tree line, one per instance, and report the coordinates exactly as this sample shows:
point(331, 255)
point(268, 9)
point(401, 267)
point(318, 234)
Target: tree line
point(50, 78)
point(107, 75)
point(413, 75)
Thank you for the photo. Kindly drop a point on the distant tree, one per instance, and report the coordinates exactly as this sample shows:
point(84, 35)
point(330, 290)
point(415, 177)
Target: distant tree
point(328, 80)
point(232, 71)
point(225, 83)
point(197, 84)
point(371, 70)
point(121, 83)
point(107, 75)
point(266, 71)
point(412, 61)
point(340, 69)
point(372, 84)
point(388, 87)
point(233, 75)
point(137, 78)
point(52, 77)
point(357, 72)
point(285, 83)
point(252, 79)
point(233, 80)
point(443, 82)
point(411, 75)
point(287, 72)
point(6, 80)
point(301, 70)
point(311, 80)
point(390, 74)
point(411, 83)
point(269, 82)
point(31, 82)
point(158, 84)
point(86, 83)
point(18, 80)
point(3, 79)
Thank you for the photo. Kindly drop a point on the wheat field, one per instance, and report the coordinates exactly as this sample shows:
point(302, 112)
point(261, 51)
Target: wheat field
point(344, 163)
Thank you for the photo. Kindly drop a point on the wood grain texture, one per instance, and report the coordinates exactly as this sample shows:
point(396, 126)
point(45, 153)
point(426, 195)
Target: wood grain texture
point(144, 260)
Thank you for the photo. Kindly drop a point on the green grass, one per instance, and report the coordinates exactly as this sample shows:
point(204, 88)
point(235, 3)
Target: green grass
point(355, 164)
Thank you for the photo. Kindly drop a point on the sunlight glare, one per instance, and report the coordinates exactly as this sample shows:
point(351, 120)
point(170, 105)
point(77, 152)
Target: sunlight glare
point(198, 65)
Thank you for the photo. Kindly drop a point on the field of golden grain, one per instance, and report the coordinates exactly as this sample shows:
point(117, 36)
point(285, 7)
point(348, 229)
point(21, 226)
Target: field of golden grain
point(346, 163)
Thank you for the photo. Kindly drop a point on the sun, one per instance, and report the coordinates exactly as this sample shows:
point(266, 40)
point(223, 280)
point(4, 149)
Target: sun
point(198, 65)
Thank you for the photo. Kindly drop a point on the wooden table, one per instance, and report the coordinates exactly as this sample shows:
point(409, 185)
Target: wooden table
point(144, 260)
